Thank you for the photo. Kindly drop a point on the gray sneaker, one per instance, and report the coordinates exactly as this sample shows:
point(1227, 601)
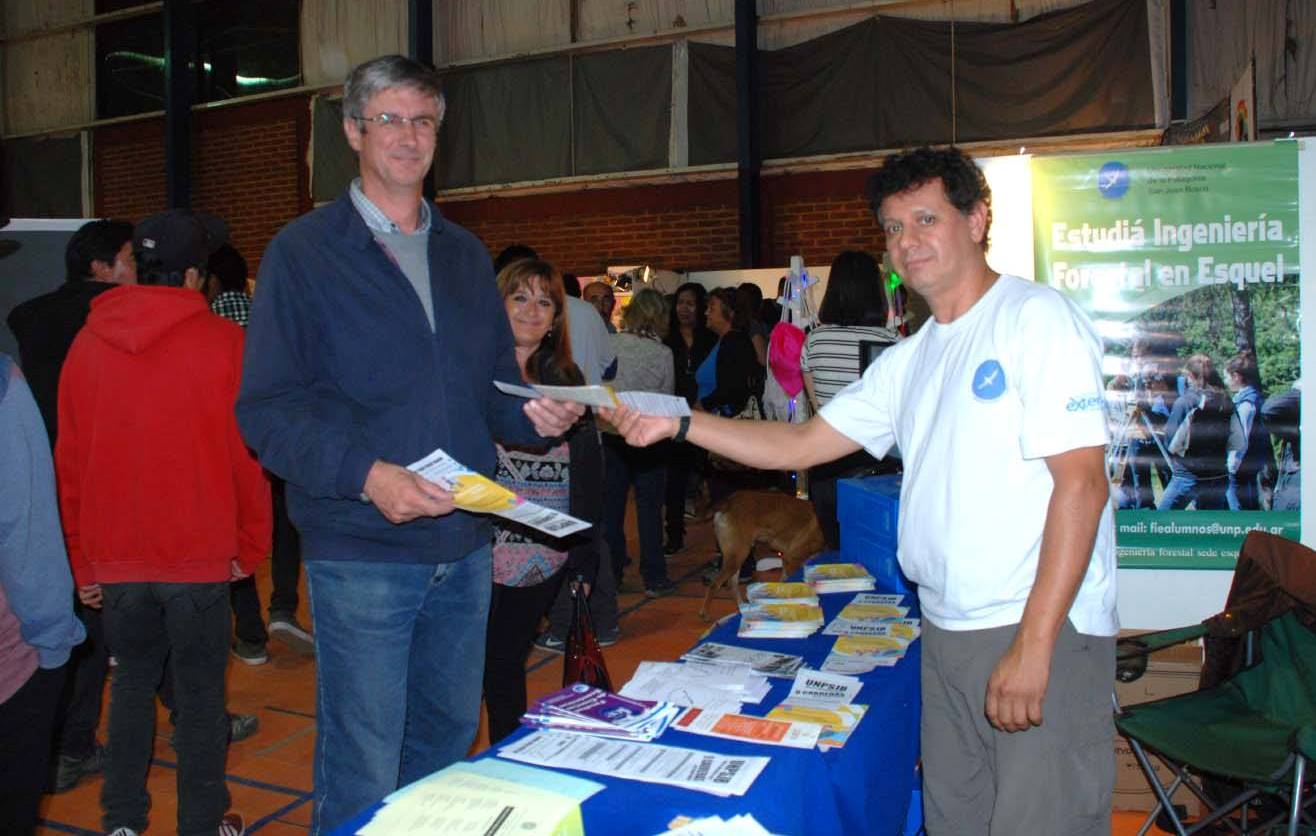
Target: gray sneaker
point(286, 628)
point(250, 653)
point(122, 831)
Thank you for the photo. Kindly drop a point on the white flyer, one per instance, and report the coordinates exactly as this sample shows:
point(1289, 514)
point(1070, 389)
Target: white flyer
point(765, 662)
point(645, 403)
point(823, 690)
point(474, 492)
point(691, 769)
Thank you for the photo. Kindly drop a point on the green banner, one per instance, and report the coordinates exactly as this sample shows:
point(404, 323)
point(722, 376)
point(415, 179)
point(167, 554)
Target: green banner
point(1187, 261)
point(1120, 233)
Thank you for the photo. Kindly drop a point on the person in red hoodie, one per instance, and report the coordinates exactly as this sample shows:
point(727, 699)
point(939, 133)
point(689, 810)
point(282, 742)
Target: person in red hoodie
point(162, 507)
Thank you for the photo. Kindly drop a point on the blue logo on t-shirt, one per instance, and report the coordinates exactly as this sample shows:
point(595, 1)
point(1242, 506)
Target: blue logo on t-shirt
point(988, 381)
point(1113, 180)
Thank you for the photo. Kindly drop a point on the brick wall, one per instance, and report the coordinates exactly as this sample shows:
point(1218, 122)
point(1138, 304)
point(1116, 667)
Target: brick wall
point(678, 226)
point(691, 226)
point(248, 167)
point(817, 215)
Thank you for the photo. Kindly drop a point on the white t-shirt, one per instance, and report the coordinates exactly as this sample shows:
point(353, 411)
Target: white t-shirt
point(975, 406)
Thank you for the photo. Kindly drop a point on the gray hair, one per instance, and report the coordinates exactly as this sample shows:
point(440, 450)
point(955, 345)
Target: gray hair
point(378, 74)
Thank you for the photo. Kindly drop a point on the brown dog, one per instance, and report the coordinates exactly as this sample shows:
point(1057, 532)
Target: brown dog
point(771, 518)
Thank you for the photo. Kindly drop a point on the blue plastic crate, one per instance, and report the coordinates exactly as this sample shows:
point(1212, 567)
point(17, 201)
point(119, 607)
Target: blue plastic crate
point(880, 561)
point(869, 508)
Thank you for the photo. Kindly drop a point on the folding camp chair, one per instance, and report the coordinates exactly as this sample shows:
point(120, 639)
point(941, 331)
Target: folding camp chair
point(1242, 743)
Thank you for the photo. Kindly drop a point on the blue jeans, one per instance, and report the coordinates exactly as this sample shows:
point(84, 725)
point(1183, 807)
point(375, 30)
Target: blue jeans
point(1186, 487)
point(624, 466)
point(399, 651)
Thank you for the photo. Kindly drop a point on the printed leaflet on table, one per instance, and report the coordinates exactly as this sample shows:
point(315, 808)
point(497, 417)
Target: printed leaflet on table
point(709, 687)
point(589, 710)
point(861, 654)
point(779, 621)
point(486, 797)
point(691, 769)
point(837, 722)
point(781, 593)
point(838, 577)
point(749, 729)
point(765, 662)
point(823, 690)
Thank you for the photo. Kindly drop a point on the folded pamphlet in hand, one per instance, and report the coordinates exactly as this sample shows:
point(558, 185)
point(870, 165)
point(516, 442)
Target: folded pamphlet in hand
point(479, 494)
point(645, 403)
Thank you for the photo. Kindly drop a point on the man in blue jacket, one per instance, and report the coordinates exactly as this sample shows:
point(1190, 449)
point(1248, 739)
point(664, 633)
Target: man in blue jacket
point(375, 337)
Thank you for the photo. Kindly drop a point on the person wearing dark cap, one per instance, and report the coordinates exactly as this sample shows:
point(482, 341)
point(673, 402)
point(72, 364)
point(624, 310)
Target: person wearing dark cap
point(162, 507)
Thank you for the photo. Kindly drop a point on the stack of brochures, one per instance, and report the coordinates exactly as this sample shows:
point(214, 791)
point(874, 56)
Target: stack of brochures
point(711, 687)
point(589, 710)
point(766, 662)
point(875, 615)
point(779, 621)
point(781, 593)
point(838, 577)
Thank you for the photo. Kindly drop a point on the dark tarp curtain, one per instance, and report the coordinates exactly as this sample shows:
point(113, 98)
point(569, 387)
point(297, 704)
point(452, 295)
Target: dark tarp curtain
point(711, 108)
point(43, 177)
point(1082, 69)
point(885, 82)
point(882, 83)
point(623, 109)
point(333, 160)
point(506, 123)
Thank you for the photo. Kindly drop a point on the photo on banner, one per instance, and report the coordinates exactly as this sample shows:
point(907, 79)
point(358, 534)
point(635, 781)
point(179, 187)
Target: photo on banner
point(1187, 261)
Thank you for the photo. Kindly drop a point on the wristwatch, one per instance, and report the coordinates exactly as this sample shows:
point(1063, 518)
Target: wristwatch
point(682, 428)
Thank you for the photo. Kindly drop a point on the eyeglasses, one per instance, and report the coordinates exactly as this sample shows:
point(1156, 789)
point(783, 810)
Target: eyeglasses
point(393, 123)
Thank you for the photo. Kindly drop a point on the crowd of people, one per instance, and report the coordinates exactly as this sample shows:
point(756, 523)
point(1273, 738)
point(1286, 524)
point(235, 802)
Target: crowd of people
point(186, 451)
point(1210, 438)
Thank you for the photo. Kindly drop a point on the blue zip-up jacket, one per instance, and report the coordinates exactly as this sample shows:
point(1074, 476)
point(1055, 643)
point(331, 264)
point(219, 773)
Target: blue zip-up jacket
point(342, 369)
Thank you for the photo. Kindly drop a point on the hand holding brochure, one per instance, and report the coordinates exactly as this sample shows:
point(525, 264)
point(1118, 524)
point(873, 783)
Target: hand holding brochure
point(474, 492)
point(645, 403)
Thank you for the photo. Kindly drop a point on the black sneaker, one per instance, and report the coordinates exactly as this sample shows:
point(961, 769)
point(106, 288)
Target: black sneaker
point(659, 590)
point(551, 643)
point(286, 628)
point(250, 653)
point(69, 771)
point(240, 727)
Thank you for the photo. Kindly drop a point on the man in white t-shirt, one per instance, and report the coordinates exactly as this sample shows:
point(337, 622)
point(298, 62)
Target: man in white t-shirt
point(1005, 517)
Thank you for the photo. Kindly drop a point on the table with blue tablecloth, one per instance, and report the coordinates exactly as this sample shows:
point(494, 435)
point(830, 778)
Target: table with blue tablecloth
point(863, 788)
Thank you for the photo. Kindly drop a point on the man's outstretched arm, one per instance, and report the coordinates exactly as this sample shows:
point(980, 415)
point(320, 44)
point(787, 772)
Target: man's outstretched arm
point(766, 445)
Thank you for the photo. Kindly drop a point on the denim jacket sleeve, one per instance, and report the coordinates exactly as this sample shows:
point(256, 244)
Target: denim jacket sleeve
point(34, 569)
